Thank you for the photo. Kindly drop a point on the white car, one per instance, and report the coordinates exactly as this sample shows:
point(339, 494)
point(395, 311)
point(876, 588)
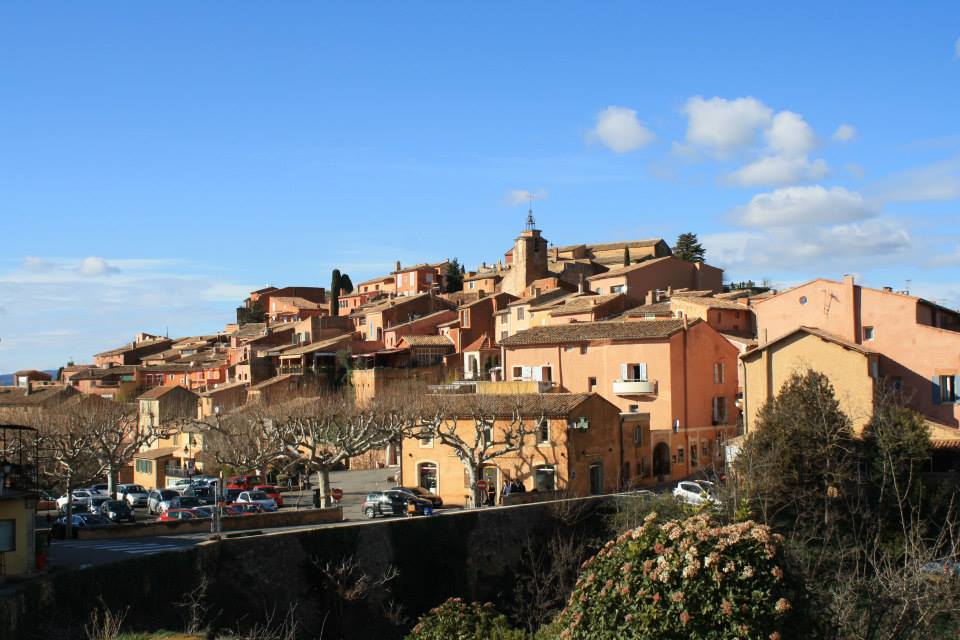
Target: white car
point(81, 499)
point(136, 494)
point(695, 493)
point(257, 497)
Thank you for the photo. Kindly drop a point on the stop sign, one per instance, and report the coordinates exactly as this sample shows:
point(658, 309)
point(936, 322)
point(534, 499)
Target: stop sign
point(337, 494)
point(481, 485)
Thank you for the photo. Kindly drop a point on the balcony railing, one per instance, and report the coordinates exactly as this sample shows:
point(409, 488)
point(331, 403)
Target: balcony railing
point(635, 387)
point(294, 369)
point(174, 471)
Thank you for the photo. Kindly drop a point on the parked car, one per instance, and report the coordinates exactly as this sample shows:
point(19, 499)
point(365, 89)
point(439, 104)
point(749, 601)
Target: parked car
point(157, 496)
point(171, 515)
point(391, 503)
point(117, 511)
point(81, 500)
point(695, 493)
point(271, 491)
point(102, 489)
point(206, 495)
point(423, 494)
point(178, 502)
point(136, 495)
point(236, 510)
point(203, 512)
point(96, 502)
point(230, 495)
point(244, 483)
point(245, 508)
point(257, 497)
point(78, 521)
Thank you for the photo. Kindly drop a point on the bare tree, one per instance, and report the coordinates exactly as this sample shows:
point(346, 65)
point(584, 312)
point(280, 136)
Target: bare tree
point(479, 428)
point(321, 433)
point(246, 440)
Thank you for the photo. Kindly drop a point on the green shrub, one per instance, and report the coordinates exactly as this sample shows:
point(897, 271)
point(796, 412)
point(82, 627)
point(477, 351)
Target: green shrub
point(457, 620)
point(682, 579)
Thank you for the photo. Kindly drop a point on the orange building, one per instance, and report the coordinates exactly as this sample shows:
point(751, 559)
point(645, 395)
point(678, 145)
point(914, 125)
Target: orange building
point(679, 377)
point(638, 280)
point(918, 341)
point(574, 444)
point(416, 279)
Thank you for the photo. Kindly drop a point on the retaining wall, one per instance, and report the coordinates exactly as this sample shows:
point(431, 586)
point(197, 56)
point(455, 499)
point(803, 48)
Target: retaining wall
point(473, 554)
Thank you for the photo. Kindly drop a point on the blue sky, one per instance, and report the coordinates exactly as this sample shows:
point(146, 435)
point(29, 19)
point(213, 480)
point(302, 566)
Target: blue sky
point(157, 162)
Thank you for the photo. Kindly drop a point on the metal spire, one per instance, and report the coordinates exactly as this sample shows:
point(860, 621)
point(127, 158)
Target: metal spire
point(531, 224)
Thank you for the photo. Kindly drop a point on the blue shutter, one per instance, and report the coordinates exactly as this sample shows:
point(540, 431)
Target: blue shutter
point(936, 389)
point(956, 388)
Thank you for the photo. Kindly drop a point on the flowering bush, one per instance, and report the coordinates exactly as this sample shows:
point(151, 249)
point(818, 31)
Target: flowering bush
point(457, 620)
point(682, 579)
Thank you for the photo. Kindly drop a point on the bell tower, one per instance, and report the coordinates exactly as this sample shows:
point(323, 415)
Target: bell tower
point(529, 257)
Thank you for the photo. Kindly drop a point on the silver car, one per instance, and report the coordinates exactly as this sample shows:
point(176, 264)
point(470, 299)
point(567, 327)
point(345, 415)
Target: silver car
point(158, 496)
point(135, 494)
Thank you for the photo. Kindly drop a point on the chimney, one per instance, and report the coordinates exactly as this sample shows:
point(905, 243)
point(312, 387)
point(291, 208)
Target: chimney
point(650, 297)
point(398, 266)
point(669, 290)
point(556, 254)
point(580, 285)
point(888, 289)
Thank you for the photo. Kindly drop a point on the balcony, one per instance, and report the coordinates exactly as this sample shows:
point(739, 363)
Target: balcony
point(635, 387)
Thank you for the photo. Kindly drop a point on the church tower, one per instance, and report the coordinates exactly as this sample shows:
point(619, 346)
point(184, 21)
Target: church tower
point(529, 259)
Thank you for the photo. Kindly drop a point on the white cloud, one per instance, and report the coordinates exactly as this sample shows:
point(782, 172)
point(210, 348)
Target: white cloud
point(790, 135)
point(94, 266)
point(723, 125)
point(47, 294)
point(803, 205)
point(956, 48)
point(935, 182)
point(951, 259)
point(619, 129)
point(778, 170)
point(813, 248)
point(845, 133)
point(522, 196)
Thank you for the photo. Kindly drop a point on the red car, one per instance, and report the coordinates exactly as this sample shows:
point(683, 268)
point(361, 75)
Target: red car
point(243, 483)
point(177, 514)
point(272, 492)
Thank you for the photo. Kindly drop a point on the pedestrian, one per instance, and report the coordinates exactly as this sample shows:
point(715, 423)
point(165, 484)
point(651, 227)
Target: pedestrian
point(505, 491)
point(411, 508)
point(520, 488)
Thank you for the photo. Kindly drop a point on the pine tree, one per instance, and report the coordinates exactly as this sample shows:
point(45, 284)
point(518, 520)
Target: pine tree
point(689, 249)
point(339, 283)
point(626, 256)
point(454, 276)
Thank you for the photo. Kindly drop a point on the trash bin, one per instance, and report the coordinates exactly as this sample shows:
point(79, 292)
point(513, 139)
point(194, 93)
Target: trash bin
point(428, 510)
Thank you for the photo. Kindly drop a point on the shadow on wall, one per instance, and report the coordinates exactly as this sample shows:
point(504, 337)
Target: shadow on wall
point(371, 580)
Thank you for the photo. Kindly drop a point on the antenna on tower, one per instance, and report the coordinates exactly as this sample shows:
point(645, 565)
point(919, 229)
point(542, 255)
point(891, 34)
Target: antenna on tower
point(531, 224)
point(908, 286)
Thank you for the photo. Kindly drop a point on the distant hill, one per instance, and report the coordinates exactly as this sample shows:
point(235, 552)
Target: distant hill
point(6, 379)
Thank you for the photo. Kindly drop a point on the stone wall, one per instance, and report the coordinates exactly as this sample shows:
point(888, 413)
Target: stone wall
point(472, 554)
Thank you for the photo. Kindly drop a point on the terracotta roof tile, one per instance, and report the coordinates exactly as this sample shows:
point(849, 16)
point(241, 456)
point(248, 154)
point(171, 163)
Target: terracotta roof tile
point(587, 331)
point(428, 341)
point(505, 405)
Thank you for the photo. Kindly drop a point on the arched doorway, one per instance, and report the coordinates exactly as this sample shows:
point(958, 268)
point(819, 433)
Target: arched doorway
point(661, 460)
point(427, 476)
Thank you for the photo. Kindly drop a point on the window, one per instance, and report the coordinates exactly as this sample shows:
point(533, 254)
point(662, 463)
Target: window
point(599, 291)
point(875, 369)
point(637, 372)
point(583, 349)
point(427, 476)
point(471, 284)
point(8, 535)
point(518, 373)
point(803, 299)
point(144, 466)
point(487, 431)
point(717, 373)
point(504, 335)
point(868, 333)
point(617, 289)
point(413, 278)
point(519, 313)
point(596, 478)
point(634, 408)
point(592, 384)
point(719, 410)
point(679, 454)
point(638, 436)
point(429, 278)
point(545, 478)
point(399, 280)
point(465, 318)
point(543, 432)
point(945, 389)
point(693, 454)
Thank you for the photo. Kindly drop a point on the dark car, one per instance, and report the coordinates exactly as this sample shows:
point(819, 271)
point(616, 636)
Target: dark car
point(78, 521)
point(391, 503)
point(422, 494)
point(96, 502)
point(230, 495)
point(117, 511)
point(206, 495)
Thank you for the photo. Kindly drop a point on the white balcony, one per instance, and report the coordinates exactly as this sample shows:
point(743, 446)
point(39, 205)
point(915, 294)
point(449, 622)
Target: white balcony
point(635, 387)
